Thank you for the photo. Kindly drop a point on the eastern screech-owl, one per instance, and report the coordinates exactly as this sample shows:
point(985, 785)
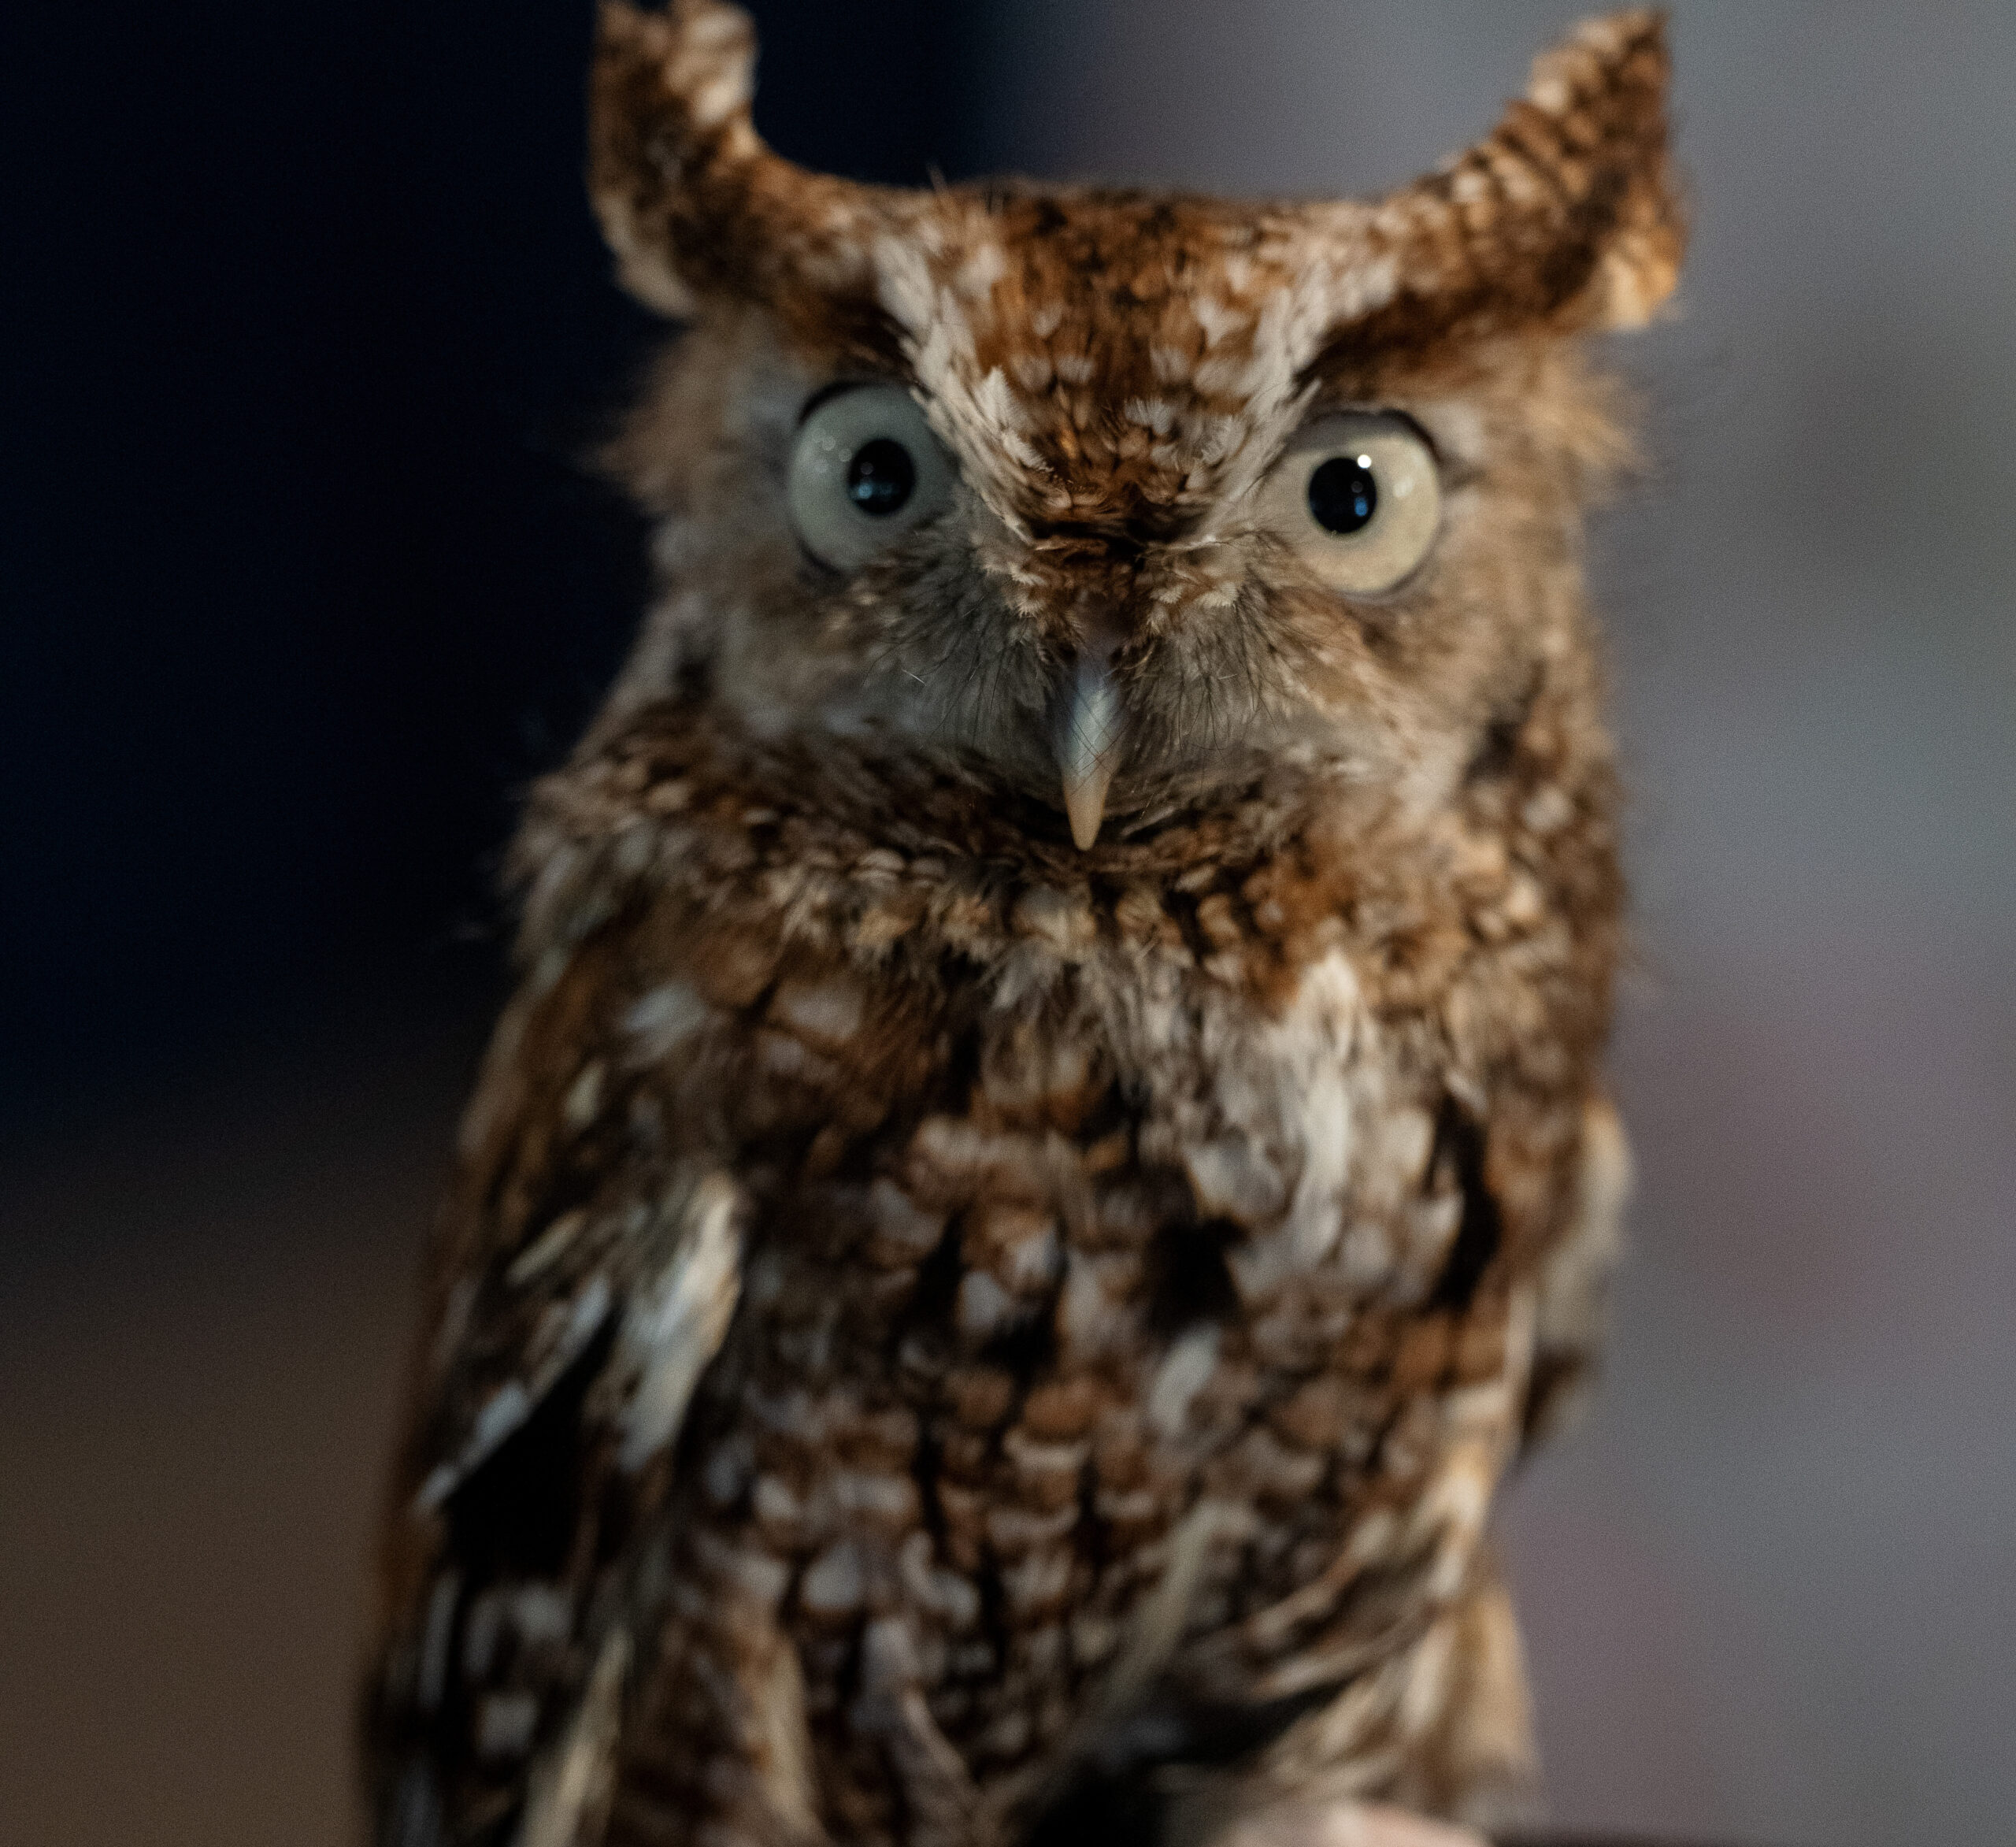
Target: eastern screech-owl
point(1049, 1150)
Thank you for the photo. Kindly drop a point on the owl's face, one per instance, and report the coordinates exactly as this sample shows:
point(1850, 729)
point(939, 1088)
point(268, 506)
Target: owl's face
point(1127, 497)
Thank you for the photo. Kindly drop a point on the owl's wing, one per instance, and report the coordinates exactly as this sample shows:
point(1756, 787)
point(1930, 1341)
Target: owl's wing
point(1575, 1280)
point(586, 1274)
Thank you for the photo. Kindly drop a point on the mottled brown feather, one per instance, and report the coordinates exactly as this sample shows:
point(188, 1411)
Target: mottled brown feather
point(935, 1328)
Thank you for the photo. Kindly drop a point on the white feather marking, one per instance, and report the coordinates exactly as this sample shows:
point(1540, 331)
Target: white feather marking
point(1365, 1257)
point(784, 1753)
point(1154, 414)
point(1160, 1619)
point(1185, 1371)
point(1041, 1577)
point(1216, 319)
point(903, 283)
point(1086, 1316)
point(513, 1401)
point(883, 1497)
point(1361, 288)
point(1230, 1180)
point(665, 1019)
point(674, 1326)
point(1424, 1702)
point(760, 1577)
point(981, 271)
point(1550, 93)
point(584, 1098)
point(1470, 188)
point(899, 1221)
point(1219, 438)
point(933, 1588)
point(711, 103)
point(1033, 371)
point(828, 1013)
point(833, 1584)
point(949, 315)
point(943, 1806)
point(542, 1613)
point(984, 1306)
point(570, 1786)
point(547, 1249)
point(996, 404)
point(1327, 1009)
point(1225, 375)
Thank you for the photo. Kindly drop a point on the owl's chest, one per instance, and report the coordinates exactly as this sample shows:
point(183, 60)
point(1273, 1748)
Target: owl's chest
point(1126, 1355)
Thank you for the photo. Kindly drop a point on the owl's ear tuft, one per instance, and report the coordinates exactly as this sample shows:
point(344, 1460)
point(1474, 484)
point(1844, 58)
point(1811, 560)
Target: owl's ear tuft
point(1593, 126)
point(692, 203)
point(667, 127)
point(1567, 215)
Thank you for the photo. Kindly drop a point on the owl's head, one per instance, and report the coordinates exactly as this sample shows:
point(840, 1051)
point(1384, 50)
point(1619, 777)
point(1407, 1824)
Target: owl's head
point(1123, 494)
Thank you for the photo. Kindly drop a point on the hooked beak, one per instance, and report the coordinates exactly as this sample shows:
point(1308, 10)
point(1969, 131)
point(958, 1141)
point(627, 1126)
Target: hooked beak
point(1086, 736)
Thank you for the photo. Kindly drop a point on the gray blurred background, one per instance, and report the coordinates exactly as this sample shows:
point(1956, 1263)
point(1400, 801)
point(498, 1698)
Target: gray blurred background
point(1770, 1587)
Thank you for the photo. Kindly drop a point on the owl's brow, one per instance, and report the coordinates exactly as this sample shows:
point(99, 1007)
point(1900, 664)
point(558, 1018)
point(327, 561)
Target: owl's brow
point(1355, 358)
point(864, 334)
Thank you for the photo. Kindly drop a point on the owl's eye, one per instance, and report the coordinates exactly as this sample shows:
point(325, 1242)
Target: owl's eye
point(865, 469)
point(1358, 496)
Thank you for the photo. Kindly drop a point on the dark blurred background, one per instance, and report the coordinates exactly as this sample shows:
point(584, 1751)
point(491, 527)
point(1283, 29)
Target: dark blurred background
point(307, 333)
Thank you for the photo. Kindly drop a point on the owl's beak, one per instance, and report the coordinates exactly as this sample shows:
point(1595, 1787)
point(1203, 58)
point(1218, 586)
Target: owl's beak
point(1087, 735)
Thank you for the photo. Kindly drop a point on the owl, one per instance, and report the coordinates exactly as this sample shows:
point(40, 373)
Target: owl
point(1049, 1150)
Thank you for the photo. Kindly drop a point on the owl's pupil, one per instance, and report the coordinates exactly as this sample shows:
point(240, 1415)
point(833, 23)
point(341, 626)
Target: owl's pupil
point(1343, 495)
point(880, 477)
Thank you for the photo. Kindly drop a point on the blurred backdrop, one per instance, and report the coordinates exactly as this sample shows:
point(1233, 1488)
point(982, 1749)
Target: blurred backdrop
point(306, 331)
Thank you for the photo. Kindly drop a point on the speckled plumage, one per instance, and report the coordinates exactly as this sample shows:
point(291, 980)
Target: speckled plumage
point(936, 1328)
